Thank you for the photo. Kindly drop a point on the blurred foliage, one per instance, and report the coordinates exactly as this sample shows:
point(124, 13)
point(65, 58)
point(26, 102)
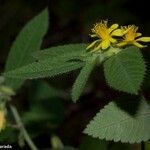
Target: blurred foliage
point(147, 146)
point(90, 143)
point(7, 134)
point(46, 110)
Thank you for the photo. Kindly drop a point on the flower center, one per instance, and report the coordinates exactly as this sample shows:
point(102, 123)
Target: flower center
point(102, 31)
point(131, 34)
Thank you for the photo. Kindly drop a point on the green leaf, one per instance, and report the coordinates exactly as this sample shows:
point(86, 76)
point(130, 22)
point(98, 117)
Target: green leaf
point(82, 79)
point(70, 50)
point(125, 71)
point(112, 123)
point(51, 66)
point(44, 68)
point(28, 41)
point(56, 143)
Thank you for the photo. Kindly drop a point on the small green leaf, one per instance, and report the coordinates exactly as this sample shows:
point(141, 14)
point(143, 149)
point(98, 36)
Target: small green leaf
point(56, 143)
point(125, 71)
point(70, 50)
point(82, 79)
point(28, 41)
point(112, 123)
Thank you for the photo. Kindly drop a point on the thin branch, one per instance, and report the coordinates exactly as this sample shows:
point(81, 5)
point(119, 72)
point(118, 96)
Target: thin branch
point(22, 128)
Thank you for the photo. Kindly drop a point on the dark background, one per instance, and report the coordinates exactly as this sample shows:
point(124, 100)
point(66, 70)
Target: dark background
point(70, 22)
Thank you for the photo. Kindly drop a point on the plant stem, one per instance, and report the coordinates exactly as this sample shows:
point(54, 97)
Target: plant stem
point(142, 146)
point(22, 128)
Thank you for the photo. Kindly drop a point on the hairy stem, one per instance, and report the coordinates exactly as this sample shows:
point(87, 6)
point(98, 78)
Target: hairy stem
point(22, 128)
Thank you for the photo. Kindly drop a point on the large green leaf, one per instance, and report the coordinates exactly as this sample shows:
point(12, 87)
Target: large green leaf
point(112, 123)
point(44, 68)
point(125, 71)
point(82, 79)
point(28, 41)
point(70, 50)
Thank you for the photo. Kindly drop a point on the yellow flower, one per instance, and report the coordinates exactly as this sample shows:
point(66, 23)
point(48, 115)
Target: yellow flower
point(132, 37)
point(2, 120)
point(105, 35)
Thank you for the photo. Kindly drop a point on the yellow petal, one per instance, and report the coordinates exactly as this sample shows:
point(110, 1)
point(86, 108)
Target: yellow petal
point(144, 39)
point(2, 120)
point(138, 34)
point(113, 27)
point(92, 44)
point(122, 44)
point(113, 40)
point(123, 29)
point(105, 44)
point(126, 29)
point(117, 32)
point(138, 44)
